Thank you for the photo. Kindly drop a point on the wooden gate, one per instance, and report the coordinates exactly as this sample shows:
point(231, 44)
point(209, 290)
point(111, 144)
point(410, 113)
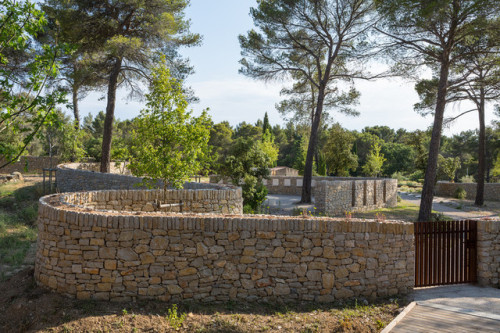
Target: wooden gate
point(445, 253)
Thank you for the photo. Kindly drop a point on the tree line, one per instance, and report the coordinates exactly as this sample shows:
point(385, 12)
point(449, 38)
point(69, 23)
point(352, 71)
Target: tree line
point(67, 48)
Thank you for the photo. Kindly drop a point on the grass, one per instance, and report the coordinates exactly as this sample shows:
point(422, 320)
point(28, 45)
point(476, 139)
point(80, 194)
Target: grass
point(18, 214)
point(402, 212)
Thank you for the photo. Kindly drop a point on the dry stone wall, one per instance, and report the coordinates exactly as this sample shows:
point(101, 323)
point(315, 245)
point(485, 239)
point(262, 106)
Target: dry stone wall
point(225, 200)
point(488, 246)
point(74, 177)
point(30, 164)
point(173, 257)
point(339, 197)
point(447, 189)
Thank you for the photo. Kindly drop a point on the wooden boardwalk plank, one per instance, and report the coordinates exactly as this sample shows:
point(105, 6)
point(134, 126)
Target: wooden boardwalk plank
point(427, 319)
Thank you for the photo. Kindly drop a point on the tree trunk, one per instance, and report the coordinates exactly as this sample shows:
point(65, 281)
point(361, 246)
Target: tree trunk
point(76, 112)
point(431, 171)
point(308, 168)
point(110, 114)
point(482, 153)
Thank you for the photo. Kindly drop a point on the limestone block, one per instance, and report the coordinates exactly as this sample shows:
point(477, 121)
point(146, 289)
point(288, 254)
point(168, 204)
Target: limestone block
point(127, 254)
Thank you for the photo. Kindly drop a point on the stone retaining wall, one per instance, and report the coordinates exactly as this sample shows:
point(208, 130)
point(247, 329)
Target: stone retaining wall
point(173, 257)
point(29, 164)
point(337, 195)
point(224, 200)
point(72, 177)
point(488, 246)
point(447, 189)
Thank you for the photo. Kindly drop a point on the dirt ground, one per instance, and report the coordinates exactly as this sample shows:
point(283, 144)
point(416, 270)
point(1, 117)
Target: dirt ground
point(25, 307)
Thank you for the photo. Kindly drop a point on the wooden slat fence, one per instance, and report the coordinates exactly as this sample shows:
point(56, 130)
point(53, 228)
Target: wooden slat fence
point(445, 252)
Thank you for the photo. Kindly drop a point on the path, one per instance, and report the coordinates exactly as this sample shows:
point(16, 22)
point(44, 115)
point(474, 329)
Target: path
point(281, 204)
point(442, 205)
point(286, 204)
point(458, 308)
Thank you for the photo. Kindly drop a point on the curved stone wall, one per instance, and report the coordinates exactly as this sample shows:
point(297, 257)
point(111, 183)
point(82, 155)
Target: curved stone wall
point(73, 177)
point(221, 201)
point(447, 189)
point(114, 255)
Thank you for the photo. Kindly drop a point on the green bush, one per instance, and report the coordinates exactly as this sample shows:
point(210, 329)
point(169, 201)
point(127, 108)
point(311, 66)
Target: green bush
point(417, 176)
point(460, 193)
point(28, 215)
point(399, 176)
point(467, 179)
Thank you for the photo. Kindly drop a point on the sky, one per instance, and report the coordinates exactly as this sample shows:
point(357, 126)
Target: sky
point(233, 97)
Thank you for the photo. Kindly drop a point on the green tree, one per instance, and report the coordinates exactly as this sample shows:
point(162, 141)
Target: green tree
point(220, 142)
point(266, 127)
point(362, 147)
point(338, 151)
point(313, 42)
point(399, 158)
point(247, 165)
point(374, 161)
point(26, 103)
point(429, 33)
point(169, 143)
point(448, 166)
point(125, 40)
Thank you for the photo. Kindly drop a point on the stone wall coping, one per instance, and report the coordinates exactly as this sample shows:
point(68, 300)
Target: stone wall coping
point(86, 217)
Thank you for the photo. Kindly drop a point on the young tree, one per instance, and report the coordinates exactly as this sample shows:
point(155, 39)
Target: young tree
point(125, 39)
point(374, 161)
point(169, 143)
point(25, 67)
point(316, 43)
point(428, 33)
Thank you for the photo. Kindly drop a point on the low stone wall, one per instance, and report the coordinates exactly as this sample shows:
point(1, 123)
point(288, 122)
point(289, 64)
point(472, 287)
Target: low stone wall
point(72, 177)
point(447, 189)
point(173, 257)
point(337, 195)
point(29, 164)
point(224, 200)
point(488, 246)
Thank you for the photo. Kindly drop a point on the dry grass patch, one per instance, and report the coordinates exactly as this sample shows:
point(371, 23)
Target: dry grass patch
point(26, 307)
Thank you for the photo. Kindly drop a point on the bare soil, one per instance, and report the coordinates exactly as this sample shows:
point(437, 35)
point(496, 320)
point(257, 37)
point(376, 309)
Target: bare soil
point(25, 307)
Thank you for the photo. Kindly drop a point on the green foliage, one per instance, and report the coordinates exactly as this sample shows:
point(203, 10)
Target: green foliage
point(399, 176)
point(27, 103)
point(460, 193)
point(174, 318)
point(467, 179)
point(374, 161)
point(417, 176)
point(247, 165)
point(321, 164)
point(399, 158)
point(448, 167)
point(169, 143)
point(338, 151)
point(220, 142)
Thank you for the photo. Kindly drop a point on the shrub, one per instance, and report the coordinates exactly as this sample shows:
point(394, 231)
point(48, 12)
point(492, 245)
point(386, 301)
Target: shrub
point(460, 193)
point(174, 318)
point(399, 176)
point(28, 215)
point(417, 176)
point(467, 179)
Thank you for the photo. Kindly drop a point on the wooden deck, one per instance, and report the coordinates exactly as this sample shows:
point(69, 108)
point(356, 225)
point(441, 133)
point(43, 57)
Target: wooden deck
point(430, 319)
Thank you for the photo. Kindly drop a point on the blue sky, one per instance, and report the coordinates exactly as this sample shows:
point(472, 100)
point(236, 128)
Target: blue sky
point(233, 97)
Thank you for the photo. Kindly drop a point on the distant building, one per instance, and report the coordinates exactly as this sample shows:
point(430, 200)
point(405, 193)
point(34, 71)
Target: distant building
point(284, 171)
